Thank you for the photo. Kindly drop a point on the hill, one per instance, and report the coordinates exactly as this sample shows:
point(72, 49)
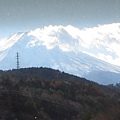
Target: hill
point(47, 94)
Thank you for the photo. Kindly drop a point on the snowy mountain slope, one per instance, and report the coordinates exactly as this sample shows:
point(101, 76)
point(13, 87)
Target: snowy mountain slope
point(69, 49)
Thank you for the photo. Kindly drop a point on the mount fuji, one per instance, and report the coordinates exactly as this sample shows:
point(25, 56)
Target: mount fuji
point(92, 53)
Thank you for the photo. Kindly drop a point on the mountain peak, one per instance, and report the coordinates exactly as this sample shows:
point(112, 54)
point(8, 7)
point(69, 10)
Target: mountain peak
point(81, 52)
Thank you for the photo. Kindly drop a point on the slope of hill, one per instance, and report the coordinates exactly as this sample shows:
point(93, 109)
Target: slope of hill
point(88, 53)
point(47, 94)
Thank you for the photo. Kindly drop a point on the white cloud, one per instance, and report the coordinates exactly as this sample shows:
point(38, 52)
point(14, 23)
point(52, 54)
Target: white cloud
point(102, 42)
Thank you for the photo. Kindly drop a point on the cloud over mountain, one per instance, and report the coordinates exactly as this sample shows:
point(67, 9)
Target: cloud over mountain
point(70, 49)
point(103, 41)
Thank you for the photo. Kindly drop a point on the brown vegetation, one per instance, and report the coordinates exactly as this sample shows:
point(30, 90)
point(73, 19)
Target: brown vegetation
point(46, 94)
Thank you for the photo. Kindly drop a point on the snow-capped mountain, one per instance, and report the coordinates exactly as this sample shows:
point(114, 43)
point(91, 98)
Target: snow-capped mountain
point(92, 53)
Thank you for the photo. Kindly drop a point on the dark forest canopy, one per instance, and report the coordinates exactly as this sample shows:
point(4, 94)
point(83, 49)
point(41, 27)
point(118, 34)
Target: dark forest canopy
point(47, 94)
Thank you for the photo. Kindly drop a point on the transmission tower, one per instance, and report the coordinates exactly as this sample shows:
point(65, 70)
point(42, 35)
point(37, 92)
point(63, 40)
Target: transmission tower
point(18, 64)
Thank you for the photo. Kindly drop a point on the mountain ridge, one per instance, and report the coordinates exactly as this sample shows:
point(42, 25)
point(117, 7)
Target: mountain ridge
point(65, 49)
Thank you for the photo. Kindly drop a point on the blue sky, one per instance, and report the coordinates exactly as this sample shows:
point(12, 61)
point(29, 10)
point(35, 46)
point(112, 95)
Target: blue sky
point(23, 15)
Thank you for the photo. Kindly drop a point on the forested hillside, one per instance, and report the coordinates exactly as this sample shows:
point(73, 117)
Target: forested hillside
point(47, 94)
